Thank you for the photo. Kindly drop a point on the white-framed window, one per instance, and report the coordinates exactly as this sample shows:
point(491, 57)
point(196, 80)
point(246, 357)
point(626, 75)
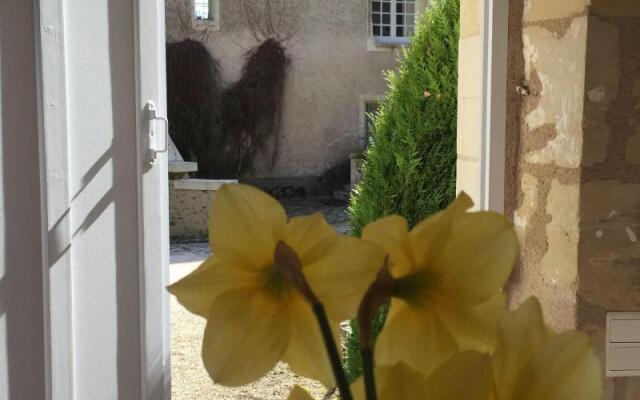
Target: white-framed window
point(393, 21)
point(204, 10)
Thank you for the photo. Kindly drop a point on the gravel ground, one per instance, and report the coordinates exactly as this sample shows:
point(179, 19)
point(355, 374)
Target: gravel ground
point(189, 378)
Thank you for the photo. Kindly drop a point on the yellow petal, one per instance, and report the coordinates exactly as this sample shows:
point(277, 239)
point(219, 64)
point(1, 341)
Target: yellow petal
point(245, 225)
point(197, 291)
point(393, 383)
point(473, 327)
point(466, 376)
point(298, 393)
point(429, 236)
point(520, 334)
point(247, 333)
point(303, 234)
point(478, 258)
point(306, 354)
point(392, 234)
point(343, 269)
point(564, 368)
point(416, 336)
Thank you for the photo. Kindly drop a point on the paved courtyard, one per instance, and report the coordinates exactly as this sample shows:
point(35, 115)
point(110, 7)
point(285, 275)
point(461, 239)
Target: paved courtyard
point(189, 379)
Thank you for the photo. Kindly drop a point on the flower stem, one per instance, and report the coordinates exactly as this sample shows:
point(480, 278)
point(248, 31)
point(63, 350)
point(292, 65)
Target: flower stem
point(332, 351)
point(369, 378)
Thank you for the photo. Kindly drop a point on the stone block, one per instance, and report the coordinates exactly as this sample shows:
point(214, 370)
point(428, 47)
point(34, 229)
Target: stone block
point(468, 177)
point(559, 265)
point(610, 245)
point(471, 17)
point(560, 65)
point(633, 149)
point(470, 67)
point(542, 10)
point(469, 127)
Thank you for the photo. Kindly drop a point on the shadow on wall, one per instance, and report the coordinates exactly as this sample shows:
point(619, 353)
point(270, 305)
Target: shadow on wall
point(226, 129)
point(22, 357)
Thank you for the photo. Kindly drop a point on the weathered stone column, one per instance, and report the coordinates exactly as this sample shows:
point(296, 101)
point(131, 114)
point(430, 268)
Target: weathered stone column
point(574, 166)
point(470, 72)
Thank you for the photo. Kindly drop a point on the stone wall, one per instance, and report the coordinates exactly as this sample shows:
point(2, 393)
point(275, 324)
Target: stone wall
point(608, 250)
point(573, 162)
point(470, 97)
point(334, 66)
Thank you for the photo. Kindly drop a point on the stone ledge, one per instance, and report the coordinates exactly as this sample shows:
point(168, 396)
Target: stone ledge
point(201, 184)
point(182, 167)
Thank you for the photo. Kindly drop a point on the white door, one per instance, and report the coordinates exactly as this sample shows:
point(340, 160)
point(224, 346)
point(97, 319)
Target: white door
point(101, 66)
point(155, 199)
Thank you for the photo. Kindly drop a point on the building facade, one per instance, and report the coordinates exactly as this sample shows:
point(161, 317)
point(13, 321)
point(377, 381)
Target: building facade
point(339, 50)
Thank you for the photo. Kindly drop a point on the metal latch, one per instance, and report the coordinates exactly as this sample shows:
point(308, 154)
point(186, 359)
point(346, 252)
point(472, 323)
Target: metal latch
point(158, 142)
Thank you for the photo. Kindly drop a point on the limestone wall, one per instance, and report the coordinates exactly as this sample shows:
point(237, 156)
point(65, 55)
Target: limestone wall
point(573, 162)
point(470, 97)
point(548, 153)
point(609, 250)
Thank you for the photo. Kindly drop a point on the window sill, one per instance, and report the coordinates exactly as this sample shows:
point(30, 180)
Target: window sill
point(391, 42)
point(374, 44)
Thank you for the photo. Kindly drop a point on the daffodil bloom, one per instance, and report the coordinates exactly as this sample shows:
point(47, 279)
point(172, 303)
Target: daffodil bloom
point(447, 275)
point(530, 362)
point(403, 382)
point(255, 315)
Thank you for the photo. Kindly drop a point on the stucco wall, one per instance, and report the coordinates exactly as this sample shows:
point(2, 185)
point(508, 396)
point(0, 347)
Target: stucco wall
point(573, 179)
point(22, 352)
point(334, 66)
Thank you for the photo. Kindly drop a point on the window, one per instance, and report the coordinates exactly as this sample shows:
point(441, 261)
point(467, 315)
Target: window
point(393, 21)
point(203, 10)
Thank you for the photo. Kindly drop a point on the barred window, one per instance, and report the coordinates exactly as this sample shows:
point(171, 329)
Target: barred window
point(393, 21)
point(203, 10)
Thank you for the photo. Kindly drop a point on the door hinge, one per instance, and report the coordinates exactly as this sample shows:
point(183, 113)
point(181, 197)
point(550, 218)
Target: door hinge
point(158, 137)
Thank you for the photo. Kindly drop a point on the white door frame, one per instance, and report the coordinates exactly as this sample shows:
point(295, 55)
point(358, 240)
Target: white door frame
point(54, 156)
point(154, 185)
point(495, 39)
point(152, 206)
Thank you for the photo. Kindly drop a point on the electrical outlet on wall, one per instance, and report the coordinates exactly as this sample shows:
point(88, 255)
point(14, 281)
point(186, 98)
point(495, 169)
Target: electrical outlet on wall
point(623, 344)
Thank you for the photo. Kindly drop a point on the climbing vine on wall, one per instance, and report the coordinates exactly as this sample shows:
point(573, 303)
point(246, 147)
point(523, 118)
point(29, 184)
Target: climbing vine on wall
point(225, 128)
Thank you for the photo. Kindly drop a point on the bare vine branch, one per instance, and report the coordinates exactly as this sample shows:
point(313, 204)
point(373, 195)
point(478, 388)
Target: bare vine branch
point(280, 20)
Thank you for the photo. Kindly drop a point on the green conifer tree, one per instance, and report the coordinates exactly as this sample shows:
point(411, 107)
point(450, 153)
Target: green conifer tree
point(410, 165)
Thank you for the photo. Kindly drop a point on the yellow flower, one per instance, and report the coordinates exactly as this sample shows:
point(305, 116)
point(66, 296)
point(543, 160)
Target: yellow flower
point(255, 316)
point(530, 363)
point(447, 276)
point(403, 382)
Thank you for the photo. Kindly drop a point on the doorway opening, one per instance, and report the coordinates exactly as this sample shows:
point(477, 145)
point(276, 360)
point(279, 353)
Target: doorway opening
point(266, 93)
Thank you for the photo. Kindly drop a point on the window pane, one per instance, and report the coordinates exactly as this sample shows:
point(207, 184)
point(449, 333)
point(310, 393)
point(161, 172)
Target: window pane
point(376, 6)
point(386, 7)
point(386, 31)
point(376, 31)
point(410, 8)
point(410, 31)
point(202, 9)
point(400, 31)
point(400, 7)
point(376, 18)
point(410, 19)
point(400, 20)
point(386, 18)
